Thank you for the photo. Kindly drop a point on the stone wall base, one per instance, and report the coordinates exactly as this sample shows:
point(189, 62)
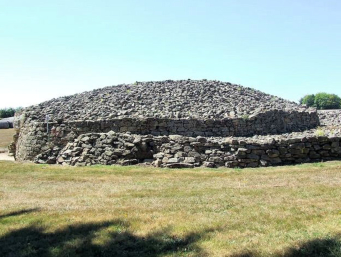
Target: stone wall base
point(177, 151)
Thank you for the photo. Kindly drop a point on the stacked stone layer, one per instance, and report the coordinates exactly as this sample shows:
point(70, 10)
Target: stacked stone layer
point(178, 151)
point(330, 117)
point(34, 138)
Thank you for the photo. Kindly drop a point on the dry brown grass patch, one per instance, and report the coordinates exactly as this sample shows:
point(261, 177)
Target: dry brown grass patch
point(6, 137)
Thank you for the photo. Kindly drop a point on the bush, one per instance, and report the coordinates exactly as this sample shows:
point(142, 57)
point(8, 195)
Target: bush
point(8, 112)
point(322, 101)
point(308, 100)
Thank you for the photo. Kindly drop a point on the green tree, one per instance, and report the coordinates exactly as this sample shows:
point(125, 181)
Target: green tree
point(308, 100)
point(324, 101)
point(8, 112)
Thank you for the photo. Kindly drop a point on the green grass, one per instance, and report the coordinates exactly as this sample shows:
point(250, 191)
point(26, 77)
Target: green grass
point(142, 211)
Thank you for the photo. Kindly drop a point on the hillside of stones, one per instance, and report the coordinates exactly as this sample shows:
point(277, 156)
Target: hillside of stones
point(197, 99)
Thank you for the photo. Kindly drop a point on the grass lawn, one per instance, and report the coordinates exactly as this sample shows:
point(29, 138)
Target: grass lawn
point(6, 137)
point(142, 211)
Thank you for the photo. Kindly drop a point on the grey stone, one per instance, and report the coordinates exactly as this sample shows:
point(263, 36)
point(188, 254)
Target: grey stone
point(129, 162)
point(272, 153)
point(189, 160)
point(85, 139)
point(180, 165)
point(109, 153)
point(209, 164)
point(157, 163)
point(173, 160)
point(159, 155)
point(253, 156)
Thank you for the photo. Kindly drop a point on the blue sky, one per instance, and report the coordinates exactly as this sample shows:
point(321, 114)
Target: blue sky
point(53, 48)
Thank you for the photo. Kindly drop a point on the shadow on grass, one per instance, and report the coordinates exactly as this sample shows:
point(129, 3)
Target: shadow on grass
point(80, 240)
point(16, 213)
point(325, 247)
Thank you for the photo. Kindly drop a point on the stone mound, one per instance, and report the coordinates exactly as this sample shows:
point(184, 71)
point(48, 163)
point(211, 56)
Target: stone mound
point(182, 99)
point(169, 123)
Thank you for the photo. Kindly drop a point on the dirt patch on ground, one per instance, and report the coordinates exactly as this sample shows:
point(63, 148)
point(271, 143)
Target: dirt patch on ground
point(6, 157)
point(6, 137)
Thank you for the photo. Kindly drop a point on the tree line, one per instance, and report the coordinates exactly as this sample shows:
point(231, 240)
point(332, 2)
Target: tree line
point(8, 112)
point(322, 101)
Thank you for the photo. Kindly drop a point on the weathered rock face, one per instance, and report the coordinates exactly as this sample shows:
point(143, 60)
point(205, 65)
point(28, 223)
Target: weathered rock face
point(178, 151)
point(187, 108)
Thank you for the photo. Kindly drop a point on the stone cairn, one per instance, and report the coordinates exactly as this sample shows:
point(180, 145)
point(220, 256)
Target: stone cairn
point(186, 123)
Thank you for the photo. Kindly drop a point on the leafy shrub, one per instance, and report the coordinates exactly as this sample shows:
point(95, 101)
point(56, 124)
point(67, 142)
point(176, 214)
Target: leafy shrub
point(8, 112)
point(322, 101)
point(325, 101)
point(308, 100)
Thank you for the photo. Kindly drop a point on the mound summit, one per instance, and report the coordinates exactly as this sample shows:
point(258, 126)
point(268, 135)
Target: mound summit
point(181, 99)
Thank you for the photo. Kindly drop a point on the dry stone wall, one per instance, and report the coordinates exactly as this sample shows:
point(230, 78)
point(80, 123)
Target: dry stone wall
point(330, 117)
point(177, 151)
point(34, 138)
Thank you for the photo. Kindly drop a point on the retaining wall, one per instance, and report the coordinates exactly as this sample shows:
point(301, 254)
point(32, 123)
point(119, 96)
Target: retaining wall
point(33, 137)
point(179, 151)
point(330, 117)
